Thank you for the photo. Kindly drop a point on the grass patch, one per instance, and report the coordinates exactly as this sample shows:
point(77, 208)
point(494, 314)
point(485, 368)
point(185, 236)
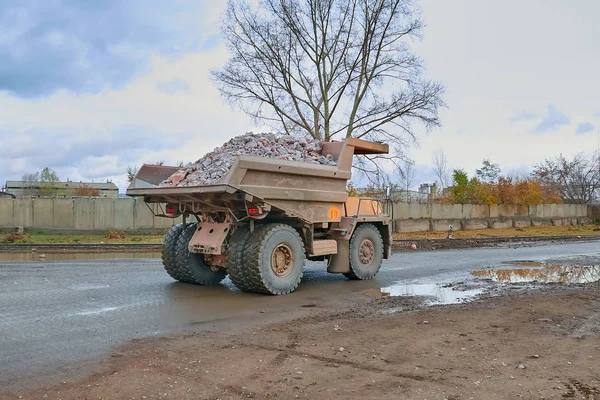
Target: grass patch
point(63, 238)
point(506, 232)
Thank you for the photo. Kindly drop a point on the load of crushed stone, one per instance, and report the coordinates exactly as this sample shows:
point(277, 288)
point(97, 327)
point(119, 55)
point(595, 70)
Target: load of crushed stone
point(215, 165)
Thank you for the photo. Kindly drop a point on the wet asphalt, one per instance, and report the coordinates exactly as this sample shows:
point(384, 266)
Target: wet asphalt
point(56, 316)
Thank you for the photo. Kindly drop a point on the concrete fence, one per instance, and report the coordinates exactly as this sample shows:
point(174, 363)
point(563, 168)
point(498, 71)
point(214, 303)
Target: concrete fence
point(81, 214)
point(102, 214)
point(594, 212)
point(414, 217)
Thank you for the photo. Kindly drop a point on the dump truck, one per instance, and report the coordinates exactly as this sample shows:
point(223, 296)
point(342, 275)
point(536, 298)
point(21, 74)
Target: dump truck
point(263, 220)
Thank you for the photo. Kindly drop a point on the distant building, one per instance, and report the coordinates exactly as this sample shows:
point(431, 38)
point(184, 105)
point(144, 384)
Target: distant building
point(429, 189)
point(62, 189)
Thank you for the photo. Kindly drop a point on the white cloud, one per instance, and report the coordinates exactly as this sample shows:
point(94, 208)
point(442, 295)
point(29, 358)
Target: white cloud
point(192, 122)
point(496, 60)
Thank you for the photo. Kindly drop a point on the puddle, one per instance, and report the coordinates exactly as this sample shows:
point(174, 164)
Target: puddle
point(42, 257)
point(524, 263)
point(436, 294)
point(545, 274)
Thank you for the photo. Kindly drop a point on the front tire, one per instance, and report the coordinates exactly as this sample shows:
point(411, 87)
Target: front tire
point(275, 259)
point(366, 252)
point(191, 266)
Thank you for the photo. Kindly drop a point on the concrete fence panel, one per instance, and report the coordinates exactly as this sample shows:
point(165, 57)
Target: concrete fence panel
point(446, 211)
point(143, 218)
point(43, 213)
point(6, 212)
point(568, 210)
point(23, 213)
point(505, 211)
point(443, 225)
point(63, 214)
point(83, 211)
point(467, 211)
point(522, 211)
point(413, 225)
point(494, 211)
point(417, 210)
point(104, 213)
point(480, 211)
point(124, 214)
point(401, 210)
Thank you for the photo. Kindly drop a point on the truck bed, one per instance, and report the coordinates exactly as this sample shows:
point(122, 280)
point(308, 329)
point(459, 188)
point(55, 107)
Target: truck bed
point(304, 190)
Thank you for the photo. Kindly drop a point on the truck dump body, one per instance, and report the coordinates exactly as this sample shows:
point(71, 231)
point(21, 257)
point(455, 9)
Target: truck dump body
point(313, 193)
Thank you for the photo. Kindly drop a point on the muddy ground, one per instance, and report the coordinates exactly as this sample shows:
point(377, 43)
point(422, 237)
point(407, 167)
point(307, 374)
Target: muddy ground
point(515, 342)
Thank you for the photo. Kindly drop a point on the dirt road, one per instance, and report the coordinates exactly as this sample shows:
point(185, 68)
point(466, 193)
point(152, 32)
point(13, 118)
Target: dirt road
point(532, 346)
point(332, 339)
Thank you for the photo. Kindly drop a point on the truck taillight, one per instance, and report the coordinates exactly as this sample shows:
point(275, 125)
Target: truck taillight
point(171, 210)
point(253, 211)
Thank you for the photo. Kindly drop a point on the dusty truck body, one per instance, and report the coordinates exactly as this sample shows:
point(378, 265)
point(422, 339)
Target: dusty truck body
point(262, 221)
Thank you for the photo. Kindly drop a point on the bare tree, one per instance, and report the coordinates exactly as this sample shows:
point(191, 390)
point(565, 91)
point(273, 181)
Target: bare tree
point(441, 168)
point(519, 174)
point(406, 174)
point(329, 69)
point(30, 182)
point(576, 180)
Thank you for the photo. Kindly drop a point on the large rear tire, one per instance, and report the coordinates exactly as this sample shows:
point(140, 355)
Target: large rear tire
point(274, 259)
point(235, 258)
point(366, 252)
point(169, 250)
point(191, 266)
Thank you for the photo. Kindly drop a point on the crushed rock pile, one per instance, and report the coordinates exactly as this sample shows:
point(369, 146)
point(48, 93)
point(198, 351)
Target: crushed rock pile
point(215, 165)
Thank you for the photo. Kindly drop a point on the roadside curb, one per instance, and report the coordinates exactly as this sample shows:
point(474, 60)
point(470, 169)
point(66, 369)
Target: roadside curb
point(465, 243)
point(398, 244)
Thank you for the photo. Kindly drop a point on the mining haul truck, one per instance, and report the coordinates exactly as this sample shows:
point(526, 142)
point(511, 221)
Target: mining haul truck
point(263, 220)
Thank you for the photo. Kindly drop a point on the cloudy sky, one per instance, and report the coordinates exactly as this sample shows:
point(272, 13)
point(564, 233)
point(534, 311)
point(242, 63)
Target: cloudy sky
point(88, 88)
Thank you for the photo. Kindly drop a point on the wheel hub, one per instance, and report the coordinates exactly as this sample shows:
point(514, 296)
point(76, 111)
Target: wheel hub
point(366, 251)
point(282, 260)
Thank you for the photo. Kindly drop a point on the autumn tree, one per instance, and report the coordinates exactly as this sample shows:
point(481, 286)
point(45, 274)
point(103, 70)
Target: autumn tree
point(504, 191)
point(329, 69)
point(576, 180)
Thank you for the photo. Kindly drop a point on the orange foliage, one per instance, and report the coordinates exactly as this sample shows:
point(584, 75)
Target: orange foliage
point(115, 235)
point(505, 191)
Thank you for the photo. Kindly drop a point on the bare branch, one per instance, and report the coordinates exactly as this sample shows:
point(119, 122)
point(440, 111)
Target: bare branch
point(329, 68)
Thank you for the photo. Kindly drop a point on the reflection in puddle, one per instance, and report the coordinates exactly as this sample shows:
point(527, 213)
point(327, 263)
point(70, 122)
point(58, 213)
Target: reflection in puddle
point(439, 294)
point(38, 256)
point(547, 274)
point(525, 263)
